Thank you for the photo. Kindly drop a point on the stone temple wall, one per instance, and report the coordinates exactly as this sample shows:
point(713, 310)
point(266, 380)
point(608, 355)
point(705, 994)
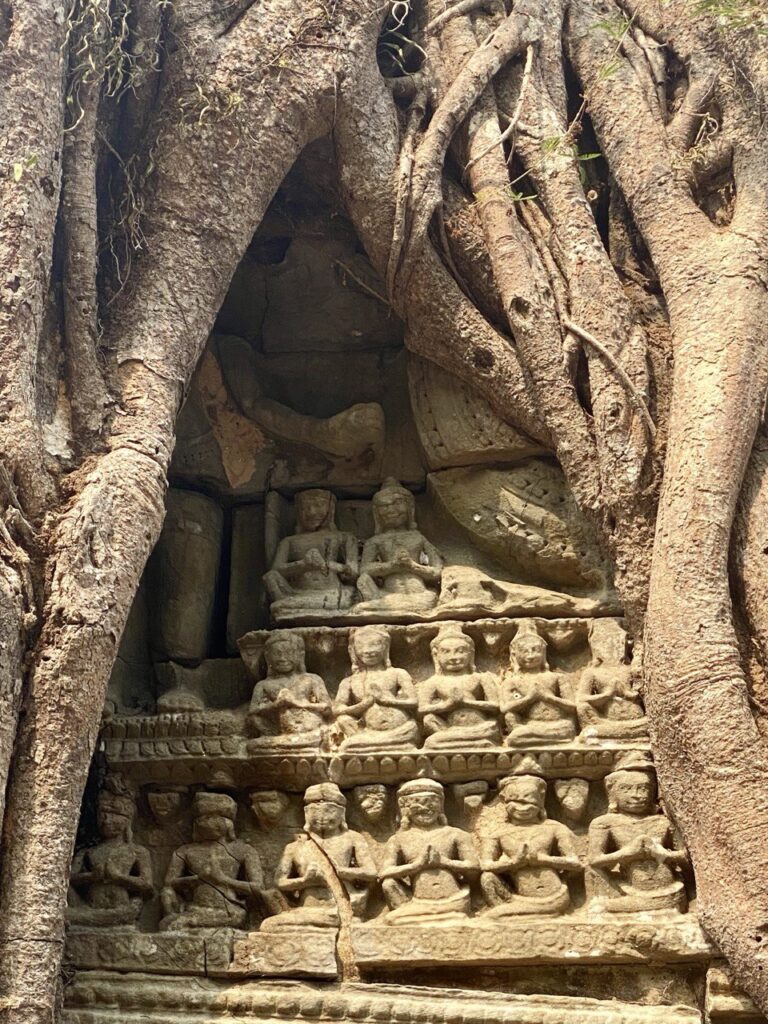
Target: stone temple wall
point(374, 748)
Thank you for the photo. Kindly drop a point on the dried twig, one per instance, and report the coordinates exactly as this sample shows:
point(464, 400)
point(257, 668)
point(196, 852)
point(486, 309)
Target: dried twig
point(632, 391)
point(462, 7)
point(509, 130)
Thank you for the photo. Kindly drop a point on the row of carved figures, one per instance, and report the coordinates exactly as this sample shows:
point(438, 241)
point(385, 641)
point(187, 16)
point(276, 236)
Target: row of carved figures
point(380, 708)
point(427, 872)
point(319, 570)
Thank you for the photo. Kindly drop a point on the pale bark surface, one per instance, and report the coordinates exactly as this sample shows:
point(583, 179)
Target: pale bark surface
point(630, 339)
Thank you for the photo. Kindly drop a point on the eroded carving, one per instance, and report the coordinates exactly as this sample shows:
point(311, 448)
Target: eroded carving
point(532, 703)
point(111, 880)
point(459, 705)
point(607, 701)
point(634, 849)
point(291, 708)
point(523, 862)
point(427, 864)
point(315, 568)
point(375, 706)
point(400, 569)
point(214, 880)
point(327, 849)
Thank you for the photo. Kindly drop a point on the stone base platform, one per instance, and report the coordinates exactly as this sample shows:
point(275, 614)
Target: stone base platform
point(211, 952)
point(192, 760)
point(639, 938)
point(97, 997)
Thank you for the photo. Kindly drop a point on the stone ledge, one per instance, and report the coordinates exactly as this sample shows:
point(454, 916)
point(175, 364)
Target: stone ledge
point(191, 759)
point(103, 998)
point(640, 939)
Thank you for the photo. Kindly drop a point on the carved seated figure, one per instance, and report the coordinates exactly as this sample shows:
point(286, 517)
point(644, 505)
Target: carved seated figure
point(290, 709)
point(524, 860)
point(608, 704)
point(633, 849)
point(327, 856)
point(427, 865)
point(315, 569)
point(110, 881)
point(375, 706)
point(400, 569)
point(211, 881)
point(459, 705)
point(531, 702)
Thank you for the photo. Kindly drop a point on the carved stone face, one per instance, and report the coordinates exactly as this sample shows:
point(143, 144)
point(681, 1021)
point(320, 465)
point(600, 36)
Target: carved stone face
point(282, 658)
point(312, 510)
point(454, 655)
point(324, 817)
point(393, 511)
point(372, 801)
point(530, 653)
point(371, 648)
point(632, 792)
point(422, 809)
point(573, 795)
point(165, 805)
point(210, 827)
point(524, 802)
point(269, 806)
point(111, 825)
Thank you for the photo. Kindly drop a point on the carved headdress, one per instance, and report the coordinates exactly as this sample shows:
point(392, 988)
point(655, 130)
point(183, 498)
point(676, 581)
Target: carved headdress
point(329, 523)
point(390, 487)
point(631, 763)
point(286, 636)
point(527, 631)
point(411, 788)
point(451, 631)
point(359, 633)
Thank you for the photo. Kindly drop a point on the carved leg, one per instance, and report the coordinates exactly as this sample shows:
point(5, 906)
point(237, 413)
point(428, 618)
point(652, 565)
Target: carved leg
point(276, 585)
point(348, 725)
point(494, 890)
point(367, 588)
point(395, 893)
point(433, 724)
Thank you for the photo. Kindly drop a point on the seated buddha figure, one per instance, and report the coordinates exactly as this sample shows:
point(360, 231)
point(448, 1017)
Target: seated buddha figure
point(427, 865)
point(633, 849)
point(314, 569)
point(212, 881)
point(459, 706)
point(289, 709)
point(375, 706)
point(524, 860)
point(111, 880)
point(315, 867)
point(530, 697)
point(400, 569)
point(607, 702)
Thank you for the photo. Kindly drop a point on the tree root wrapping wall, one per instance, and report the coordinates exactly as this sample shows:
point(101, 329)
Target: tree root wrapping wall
point(568, 202)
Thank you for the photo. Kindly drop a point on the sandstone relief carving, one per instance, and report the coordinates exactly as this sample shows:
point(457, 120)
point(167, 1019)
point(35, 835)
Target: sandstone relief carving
point(216, 879)
point(526, 862)
point(400, 569)
point(319, 574)
point(111, 880)
point(607, 700)
point(289, 709)
point(534, 707)
point(458, 705)
point(375, 706)
point(428, 864)
point(327, 849)
point(633, 849)
point(314, 569)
